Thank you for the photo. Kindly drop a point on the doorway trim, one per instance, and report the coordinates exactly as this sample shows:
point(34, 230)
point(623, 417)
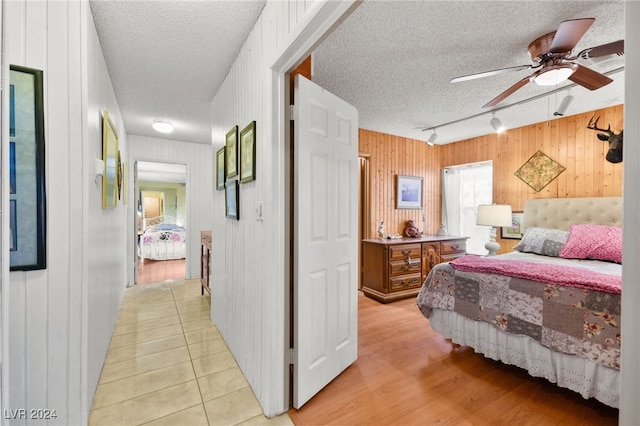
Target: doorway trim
point(324, 18)
point(132, 268)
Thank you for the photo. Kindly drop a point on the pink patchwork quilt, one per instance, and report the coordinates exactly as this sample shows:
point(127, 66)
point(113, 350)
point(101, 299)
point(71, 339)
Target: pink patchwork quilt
point(566, 309)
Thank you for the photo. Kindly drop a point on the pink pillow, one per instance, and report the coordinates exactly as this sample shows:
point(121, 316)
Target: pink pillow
point(598, 242)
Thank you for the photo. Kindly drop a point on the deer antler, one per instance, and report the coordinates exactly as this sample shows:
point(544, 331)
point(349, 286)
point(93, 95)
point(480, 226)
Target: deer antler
point(593, 125)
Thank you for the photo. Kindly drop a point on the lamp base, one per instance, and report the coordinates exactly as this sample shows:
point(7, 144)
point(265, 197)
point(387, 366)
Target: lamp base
point(492, 247)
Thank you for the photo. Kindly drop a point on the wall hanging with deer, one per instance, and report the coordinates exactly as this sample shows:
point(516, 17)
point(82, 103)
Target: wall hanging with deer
point(614, 154)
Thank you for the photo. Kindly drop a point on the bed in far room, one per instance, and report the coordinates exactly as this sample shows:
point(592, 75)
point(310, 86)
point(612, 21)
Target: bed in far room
point(552, 306)
point(163, 239)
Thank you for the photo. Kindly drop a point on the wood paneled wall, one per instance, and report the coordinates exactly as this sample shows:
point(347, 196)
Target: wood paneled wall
point(390, 156)
point(566, 140)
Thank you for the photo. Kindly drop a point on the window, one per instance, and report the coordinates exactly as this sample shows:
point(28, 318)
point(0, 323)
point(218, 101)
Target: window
point(464, 187)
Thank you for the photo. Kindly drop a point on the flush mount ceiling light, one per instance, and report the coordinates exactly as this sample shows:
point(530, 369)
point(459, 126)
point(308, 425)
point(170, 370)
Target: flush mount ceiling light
point(432, 139)
point(497, 125)
point(556, 74)
point(162, 126)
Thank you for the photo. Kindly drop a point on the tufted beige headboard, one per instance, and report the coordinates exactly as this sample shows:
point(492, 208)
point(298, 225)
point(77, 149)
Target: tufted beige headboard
point(559, 213)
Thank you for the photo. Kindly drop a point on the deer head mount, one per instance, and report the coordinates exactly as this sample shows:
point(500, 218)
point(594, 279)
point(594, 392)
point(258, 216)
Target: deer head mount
point(614, 154)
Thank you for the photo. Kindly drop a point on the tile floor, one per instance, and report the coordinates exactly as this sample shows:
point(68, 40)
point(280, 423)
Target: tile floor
point(168, 365)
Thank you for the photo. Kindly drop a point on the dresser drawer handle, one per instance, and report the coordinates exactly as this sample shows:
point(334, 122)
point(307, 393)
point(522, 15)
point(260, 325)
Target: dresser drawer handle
point(454, 246)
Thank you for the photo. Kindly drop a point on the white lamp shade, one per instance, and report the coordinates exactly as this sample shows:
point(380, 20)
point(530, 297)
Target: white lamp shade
point(494, 215)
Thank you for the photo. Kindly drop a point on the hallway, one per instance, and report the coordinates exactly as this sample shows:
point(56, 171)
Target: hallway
point(168, 365)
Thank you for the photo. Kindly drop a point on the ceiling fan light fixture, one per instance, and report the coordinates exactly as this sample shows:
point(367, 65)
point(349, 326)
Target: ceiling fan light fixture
point(497, 125)
point(162, 126)
point(432, 139)
point(554, 76)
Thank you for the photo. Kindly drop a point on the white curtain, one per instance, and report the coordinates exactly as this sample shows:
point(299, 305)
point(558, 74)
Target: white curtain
point(465, 187)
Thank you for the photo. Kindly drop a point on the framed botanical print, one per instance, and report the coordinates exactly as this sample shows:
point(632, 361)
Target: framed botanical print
point(220, 168)
point(514, 231)
point(248, 153)
point(231, 153)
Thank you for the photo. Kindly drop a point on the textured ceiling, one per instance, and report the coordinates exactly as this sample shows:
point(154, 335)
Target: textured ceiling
point(167, 59)
point(391, 59)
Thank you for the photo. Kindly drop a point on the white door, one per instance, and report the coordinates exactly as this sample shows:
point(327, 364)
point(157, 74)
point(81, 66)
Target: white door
point(325, 238)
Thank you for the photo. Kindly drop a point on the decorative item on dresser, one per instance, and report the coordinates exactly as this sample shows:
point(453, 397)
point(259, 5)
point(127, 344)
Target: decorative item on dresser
point(205, 261)
point(394, 269)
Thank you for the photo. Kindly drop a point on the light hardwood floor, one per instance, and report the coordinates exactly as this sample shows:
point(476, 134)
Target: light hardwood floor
point(156, 271)
point(407, 374)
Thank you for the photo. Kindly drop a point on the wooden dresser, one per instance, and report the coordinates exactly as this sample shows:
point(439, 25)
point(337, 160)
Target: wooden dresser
point(205, 261)
point(395, 269)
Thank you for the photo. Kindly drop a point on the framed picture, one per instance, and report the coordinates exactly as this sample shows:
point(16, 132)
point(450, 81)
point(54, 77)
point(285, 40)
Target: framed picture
point(409, 192)
point(220, 169)
point(231, 198)
point(27, 194)
point(514, 231)
point(13, 226)
point(110, 156)
point(248, 153)
point(231, 153)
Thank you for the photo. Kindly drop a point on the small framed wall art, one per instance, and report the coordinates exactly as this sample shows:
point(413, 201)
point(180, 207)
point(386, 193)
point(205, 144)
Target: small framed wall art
point(231, 198)
point(110, 178)
point(231, 153)
point(220, 168)
point(409, 192)
point(248, 153)
point(515, 230)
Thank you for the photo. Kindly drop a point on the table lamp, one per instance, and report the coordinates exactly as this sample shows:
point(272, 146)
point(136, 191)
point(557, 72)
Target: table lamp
point(493, 215)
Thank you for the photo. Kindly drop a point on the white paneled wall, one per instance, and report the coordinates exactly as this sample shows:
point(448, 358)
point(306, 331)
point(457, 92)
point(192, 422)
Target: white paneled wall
point(104, 240)
point(60, 319)
point(200, 177)
point(250, 258)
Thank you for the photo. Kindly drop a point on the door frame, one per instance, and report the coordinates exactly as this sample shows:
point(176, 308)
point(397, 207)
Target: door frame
point(320, 25)
point(132, 269)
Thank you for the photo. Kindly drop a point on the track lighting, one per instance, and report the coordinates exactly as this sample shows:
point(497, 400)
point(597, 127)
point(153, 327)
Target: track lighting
point(497, 125)
point(566, 101)
point(432, 139)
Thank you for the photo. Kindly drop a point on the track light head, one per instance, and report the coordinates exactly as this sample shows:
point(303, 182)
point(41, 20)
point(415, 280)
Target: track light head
point(562, 109)
point(497, 125)
point(432, 139)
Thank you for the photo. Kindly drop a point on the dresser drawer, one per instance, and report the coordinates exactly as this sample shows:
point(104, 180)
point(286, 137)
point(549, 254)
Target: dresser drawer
point(453, 246)
point(404, 282)
point(405, 251)
point(403, 267)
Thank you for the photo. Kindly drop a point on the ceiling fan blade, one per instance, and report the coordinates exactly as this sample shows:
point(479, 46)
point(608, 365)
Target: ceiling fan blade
point(489, 73)
point(589, 78)
point(508, 92)
point(615, 47)
point(569, 34)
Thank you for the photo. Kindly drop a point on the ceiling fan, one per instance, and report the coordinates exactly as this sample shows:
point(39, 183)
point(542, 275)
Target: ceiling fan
point(550, 55)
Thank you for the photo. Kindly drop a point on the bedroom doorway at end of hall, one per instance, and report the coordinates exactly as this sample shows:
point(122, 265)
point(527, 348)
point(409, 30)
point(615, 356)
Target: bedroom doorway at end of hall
point(160, 222)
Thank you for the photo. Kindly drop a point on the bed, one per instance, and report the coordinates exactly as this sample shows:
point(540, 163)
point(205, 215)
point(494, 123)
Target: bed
point(552, 306)
point(163, 239)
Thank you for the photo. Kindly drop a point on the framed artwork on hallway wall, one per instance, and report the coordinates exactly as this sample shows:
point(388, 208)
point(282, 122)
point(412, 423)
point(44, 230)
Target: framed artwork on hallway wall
point(220, 169)
point(231, 198)
point(27, 192)
point(110, 155)
point(248, 153)
point(231, 153)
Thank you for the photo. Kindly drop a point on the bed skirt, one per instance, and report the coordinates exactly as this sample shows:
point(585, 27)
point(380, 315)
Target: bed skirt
point(589, 379)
